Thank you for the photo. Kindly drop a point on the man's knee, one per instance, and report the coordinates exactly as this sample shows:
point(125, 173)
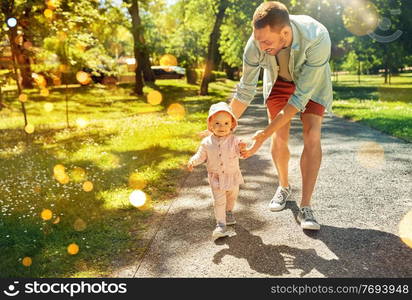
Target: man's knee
point(311, 137)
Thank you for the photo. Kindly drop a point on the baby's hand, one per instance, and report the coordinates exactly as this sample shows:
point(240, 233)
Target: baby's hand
point(189, 166)
point(242, 145)
point(204, 133)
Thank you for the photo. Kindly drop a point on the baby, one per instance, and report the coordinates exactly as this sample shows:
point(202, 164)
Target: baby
point(221, 150)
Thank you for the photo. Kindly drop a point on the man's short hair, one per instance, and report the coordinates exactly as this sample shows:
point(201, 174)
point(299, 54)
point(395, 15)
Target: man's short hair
point(272, 13)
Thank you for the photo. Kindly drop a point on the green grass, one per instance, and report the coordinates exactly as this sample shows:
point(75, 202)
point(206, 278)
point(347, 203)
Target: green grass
point(124, 135)
point(394, 118)
point(387, 108)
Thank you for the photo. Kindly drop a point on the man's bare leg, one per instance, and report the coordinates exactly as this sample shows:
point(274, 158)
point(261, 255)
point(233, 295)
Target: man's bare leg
point(311, 155)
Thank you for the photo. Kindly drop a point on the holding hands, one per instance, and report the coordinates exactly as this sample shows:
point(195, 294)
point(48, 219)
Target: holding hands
point(258, 138)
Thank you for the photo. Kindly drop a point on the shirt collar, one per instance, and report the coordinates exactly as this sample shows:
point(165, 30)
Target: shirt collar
point(295, 43)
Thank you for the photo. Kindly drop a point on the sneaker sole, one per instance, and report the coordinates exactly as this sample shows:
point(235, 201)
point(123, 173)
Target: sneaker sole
point(310, 226)
point(277, 208)
point(231, 223)
point(218, 236)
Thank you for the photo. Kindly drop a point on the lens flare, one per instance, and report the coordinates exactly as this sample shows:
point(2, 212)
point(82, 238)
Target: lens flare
point(52, 4)
point(11, 22)
point(81, 122)
point(83, 77)
point(73, 249)
point(360, 17)
point(56, 220)
point(46, 214)
point(78, 174)
point(79, 225)
point(59, 169)
point(60, 175)
point(371, 155)
point(23, 98)
point(154, 98)
point(87, 186)
point(137, 198)
point(48, 107)
point(29, 128)
point(48, 13)
point(405, 229)
point(176, 111)
point(168, 60)
point(27, 261)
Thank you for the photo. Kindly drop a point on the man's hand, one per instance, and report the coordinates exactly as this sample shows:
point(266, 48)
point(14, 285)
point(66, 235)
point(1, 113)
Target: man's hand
point(242, 146)
point(189, 166)
point(259, 137)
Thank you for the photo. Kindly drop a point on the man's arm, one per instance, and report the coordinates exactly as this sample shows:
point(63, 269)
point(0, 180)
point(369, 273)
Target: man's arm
point(238, 107)
point(246, 88)
point(282, 118)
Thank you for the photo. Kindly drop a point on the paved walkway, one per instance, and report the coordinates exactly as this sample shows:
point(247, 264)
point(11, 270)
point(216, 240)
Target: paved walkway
point(363, 192)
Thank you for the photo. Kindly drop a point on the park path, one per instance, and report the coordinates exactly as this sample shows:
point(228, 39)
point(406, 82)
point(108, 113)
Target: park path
point(363, 193)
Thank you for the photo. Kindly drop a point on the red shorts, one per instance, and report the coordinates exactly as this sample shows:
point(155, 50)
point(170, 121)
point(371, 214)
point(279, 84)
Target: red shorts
point(279, 97)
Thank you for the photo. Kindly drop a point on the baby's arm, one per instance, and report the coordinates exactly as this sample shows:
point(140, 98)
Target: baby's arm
point(198, 158)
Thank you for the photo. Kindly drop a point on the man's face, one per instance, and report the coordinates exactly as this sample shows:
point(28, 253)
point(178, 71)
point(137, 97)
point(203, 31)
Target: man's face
point(270, 41)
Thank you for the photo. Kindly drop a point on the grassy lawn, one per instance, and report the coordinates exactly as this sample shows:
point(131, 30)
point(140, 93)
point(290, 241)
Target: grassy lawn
point(116, 143)
point(385, 107)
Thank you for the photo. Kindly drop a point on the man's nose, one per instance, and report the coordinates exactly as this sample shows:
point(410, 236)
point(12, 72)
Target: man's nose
point(263, 47)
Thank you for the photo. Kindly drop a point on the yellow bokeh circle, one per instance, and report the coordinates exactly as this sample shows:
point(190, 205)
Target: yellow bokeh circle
point(23, 98)
point(83, 77)
point(168, 60)
point(48, 107)
point(176, 111)
point(79, 224)
point(29, 128)
point(87, 186)
point(73, 249)
point(154, 98)
point(27, 261)
point(46, 214)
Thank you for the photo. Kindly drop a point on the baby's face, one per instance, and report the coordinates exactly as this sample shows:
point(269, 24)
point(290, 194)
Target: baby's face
point(221, 123)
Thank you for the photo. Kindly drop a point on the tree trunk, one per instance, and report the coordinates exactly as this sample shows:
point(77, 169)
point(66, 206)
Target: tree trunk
point(21, 59)
point(17, 72)
point(140, 53)
point(212, 51)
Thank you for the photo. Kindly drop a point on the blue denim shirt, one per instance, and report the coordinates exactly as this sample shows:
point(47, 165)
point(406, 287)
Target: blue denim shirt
point(308, 66)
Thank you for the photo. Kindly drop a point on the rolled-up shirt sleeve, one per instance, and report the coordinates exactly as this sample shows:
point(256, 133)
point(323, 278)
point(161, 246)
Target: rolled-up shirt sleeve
point(313, 72)
point(246, 88)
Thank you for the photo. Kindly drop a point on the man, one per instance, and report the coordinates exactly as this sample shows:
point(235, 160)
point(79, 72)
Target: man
point(294, 53)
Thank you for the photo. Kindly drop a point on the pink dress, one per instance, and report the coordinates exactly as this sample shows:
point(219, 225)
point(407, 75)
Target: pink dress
point(222, 161)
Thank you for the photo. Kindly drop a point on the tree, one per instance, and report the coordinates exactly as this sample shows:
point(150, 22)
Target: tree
point(143, 69)
point(213, 50)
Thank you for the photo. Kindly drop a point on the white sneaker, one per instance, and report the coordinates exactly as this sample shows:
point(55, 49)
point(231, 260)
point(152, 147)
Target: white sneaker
point(306, 219)
point(278, 201)
point(220, 231)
